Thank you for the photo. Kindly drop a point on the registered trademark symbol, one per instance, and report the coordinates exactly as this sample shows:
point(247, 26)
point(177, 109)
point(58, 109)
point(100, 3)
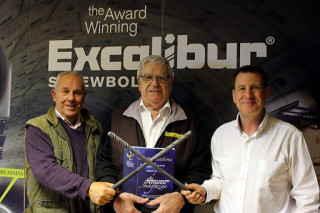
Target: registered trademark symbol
point(270, 40)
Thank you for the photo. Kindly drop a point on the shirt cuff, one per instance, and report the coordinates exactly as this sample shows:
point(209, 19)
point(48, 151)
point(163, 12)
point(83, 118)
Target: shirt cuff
point(85, 188)
point(209, 194)
point(213, 187)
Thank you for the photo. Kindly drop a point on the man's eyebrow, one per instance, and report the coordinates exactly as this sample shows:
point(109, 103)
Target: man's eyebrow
point(241, 85)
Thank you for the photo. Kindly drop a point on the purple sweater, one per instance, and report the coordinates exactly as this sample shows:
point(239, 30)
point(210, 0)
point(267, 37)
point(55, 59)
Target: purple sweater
point(48, 172)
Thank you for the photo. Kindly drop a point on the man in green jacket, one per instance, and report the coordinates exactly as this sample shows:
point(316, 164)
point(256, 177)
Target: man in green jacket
point(61, 149)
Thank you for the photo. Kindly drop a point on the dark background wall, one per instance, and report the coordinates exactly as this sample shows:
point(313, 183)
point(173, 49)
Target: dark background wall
point(287, 30)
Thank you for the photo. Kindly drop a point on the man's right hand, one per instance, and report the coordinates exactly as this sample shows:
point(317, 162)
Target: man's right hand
point(101, 192)
point(125, 203)
point(198, 194)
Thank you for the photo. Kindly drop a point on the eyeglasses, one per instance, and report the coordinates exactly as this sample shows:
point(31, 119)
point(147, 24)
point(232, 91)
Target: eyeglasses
point(160, 79)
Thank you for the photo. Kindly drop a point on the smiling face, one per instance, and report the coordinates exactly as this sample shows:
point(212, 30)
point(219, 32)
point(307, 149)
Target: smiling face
point(250, 94)
point(69, 96)
point(155, 93)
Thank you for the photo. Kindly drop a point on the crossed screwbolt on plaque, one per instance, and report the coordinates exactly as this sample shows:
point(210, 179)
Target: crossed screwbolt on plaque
point(149, 161)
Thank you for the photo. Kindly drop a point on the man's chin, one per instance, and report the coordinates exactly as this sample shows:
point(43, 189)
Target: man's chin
point(156, 101)
point(72, 114)
point(253, 113)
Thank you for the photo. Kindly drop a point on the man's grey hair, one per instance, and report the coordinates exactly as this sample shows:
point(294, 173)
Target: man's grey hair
point(69, 73)
point(157, 59)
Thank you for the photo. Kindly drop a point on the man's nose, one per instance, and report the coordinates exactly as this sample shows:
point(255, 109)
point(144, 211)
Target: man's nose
point(249, 93)
point(71, 96)
point(155, 81)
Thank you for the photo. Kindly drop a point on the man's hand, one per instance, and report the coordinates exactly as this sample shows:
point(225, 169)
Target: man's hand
point(124, 203)
point(198, 195)
point(101, 192)
point(171, 203)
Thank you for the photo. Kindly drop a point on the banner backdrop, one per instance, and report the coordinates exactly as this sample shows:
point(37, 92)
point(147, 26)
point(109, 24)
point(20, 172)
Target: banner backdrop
point(205, 41)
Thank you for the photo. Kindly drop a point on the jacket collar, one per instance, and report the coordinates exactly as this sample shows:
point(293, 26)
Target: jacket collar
point(176, 114)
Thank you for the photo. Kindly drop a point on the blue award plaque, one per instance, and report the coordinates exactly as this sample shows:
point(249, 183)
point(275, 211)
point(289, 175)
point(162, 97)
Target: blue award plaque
point(148, 183)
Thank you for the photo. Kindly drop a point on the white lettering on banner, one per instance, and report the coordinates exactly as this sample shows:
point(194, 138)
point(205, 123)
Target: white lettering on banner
point(106, 64)
point(100, 28)
point(83, 58)
point(55, 55)
point(231, 58)
point(60, 55)
point(104, 81)
point(126, 14)
point(247, 48)
point(118, 17)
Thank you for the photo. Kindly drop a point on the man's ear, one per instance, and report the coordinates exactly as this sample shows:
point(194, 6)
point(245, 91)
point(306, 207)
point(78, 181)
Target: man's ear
point(172, 80)
point(53, 95)
point(84, 95)
point(267, 93)
point(171, 83)
point(233, 98)
point(139, 82)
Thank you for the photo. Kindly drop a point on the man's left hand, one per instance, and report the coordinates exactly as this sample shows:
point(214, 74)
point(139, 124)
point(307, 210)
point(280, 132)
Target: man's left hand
point(171, 202)
point(101, 192)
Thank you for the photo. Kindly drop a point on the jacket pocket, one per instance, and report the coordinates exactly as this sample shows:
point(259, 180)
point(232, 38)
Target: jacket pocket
point(61, 159)
point(52, 206)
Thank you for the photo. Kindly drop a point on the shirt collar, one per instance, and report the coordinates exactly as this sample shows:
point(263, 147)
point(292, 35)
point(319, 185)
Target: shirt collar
point(78, 123)
point(167, 106)
point(261, 126)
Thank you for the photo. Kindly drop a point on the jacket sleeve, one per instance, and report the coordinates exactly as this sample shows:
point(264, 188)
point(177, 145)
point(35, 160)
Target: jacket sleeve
point(105, 169)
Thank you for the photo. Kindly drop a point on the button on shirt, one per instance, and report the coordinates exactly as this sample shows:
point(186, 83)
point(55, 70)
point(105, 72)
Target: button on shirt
point(270, 171)
point(152, 129)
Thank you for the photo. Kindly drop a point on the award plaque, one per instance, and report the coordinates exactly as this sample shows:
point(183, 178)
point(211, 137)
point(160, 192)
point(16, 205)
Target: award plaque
point(148, 183)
